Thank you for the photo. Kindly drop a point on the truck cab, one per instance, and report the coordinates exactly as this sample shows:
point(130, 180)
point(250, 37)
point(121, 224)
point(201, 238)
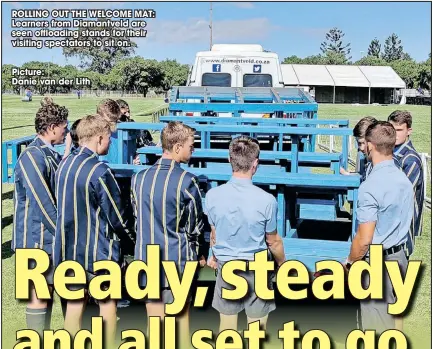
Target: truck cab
point(235, 65)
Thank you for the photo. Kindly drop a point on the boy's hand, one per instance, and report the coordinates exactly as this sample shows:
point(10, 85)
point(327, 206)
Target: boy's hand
point(344, 172)
point(202, 261)
point(212, 262)
point(136, 160)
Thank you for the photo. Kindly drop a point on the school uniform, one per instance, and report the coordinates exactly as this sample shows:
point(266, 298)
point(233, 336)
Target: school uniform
point(242, 215)
point(168, 209)
point(411, 164)
point(90, 225)
point(369, 167)
point(386, 198)
point(35, 211)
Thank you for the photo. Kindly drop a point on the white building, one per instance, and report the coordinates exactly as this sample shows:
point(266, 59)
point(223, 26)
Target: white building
point(345, 83)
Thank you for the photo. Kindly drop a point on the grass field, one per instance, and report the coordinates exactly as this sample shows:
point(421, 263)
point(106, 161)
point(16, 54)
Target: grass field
point(18, 121)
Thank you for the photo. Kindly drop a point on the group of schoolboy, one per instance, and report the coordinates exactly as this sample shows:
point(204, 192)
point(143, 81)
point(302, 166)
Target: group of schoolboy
point(72, 208)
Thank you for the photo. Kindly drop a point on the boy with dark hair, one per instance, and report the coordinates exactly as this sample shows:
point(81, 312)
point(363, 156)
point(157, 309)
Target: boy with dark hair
point(90, 220)
point(364, 166)
point(71, 142)
point(412, 166)
point(168, 208)
point(35, 212)
point(144, 138)
point(384, 215)
point(124, 110)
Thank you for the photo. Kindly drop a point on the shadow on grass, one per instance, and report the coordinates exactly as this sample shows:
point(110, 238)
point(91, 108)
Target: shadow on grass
point(8, 195)
point(7, 251)
point(6, 221)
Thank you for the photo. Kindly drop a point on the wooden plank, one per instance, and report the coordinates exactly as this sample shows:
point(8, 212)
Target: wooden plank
point(304, 180)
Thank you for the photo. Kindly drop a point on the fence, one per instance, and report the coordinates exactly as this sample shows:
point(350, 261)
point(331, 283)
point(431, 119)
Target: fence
point(103, 93)
point(333, 144)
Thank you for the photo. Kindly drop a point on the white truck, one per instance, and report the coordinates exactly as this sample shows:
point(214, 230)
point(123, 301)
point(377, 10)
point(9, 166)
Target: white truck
point(234, 65)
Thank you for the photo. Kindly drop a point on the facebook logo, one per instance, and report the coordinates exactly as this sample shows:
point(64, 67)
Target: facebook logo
point(257, 68)
point(216, 68)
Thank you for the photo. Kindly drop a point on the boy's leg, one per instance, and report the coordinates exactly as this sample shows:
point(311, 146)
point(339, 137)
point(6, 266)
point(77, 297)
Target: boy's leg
point(74, 315)
point(156, 309)
point(228, 322)
point(38, 314)
point(184, 330)
point(38, 311)
point(108, 311)
point(263, 321)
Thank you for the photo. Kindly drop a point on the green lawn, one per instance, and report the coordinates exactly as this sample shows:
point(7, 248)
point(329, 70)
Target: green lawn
point(17, 121)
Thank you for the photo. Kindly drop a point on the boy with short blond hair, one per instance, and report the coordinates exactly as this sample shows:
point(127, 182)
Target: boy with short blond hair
point(168, 208)
point(90, 224)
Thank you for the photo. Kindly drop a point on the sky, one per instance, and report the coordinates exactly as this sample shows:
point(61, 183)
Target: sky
point(287, 28)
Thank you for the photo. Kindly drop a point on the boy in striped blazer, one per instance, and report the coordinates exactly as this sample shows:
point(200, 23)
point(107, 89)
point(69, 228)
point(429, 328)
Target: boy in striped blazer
point(168, 208)
point(90, 224)
point(35, 210)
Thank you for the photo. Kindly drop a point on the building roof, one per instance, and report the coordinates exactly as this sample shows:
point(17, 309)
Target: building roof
point(341, 75)
point(382, 77)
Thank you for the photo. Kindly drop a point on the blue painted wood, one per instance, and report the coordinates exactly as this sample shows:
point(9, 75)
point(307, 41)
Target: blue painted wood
point(269, 155)
point(253, 108)
point(291, 94)
point(268, 169)
point(233, 129)
point(5, 166)
point(318, 212)
point(281, 218)
point(241, 121)
point(330, 181)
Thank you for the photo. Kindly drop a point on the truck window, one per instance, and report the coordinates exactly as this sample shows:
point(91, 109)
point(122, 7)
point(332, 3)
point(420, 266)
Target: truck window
point(216, 79)
point(257, 80)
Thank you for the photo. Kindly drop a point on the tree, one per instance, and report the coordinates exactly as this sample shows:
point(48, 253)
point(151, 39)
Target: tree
point(7, 79)
point(100, 59)
point(334, 43)
point(313, 60)
point(409, 71)
point(406, 57)
point(371, 60)
point(425, 74)
point(374, 48)
point(293, 60)
point(335, 58)
point(393, 49)
point(136, 74)
point(175, 74)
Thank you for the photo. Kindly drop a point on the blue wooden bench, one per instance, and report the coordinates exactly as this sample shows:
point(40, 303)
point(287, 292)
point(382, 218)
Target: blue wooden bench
point(11, 150)
point(260, 121)
point(309, 251)
point(328, 160)
point(205, 132)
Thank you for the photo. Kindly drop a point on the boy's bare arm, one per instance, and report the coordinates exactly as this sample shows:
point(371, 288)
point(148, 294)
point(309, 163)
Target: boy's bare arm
point(275, 245)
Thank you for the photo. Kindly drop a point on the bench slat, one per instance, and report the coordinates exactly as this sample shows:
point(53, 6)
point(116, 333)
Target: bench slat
point(234, 129)
point(264, 155)
point(336, 181)
point(270, 121)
